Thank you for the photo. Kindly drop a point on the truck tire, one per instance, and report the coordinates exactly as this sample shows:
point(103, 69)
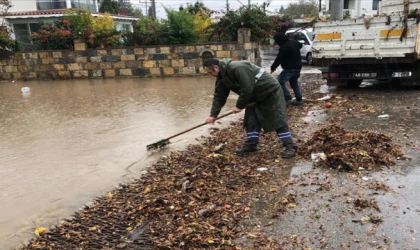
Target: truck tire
point(309, 59)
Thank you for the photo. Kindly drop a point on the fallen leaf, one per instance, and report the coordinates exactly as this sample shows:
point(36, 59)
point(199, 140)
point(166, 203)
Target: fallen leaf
point(40, 230)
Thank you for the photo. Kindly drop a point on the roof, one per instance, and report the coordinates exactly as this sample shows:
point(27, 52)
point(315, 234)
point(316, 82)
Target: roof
point(55, 13)
point(35, 12)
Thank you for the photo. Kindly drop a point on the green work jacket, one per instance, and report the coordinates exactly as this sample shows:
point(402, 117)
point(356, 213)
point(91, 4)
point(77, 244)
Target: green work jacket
point(252, 84)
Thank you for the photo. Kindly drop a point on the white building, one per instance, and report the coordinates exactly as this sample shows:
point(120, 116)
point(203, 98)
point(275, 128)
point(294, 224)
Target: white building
point(353, 8)
point(24, 17)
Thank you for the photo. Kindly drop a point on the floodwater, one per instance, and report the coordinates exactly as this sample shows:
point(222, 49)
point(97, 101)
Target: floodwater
point(66, 142)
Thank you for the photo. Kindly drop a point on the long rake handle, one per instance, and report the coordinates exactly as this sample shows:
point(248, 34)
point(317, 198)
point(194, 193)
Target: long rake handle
point(202, 124)
point(165, 141)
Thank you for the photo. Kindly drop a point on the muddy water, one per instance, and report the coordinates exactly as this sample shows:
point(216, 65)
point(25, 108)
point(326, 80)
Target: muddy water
point(67, 142)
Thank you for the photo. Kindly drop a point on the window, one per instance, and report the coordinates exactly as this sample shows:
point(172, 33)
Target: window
point(311, 35)
point(51, 4)
point(84, 4)
point(302, 37)
point(298, 36)
point(126, 27)
point(375, 4)
point(23, 31)
point(346, 4)
point(292, 35)
point(34, 27)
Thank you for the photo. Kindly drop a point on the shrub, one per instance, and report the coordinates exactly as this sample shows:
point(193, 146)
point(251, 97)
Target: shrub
point(104, 32)
point(80, 23)
point(202, 27)
point(5, 40)
point(147, 31)
point(253, 17)
point(53, 36)
point(97, 32)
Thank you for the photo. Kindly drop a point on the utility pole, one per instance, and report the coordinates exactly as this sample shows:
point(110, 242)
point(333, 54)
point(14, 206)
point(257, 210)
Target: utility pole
point(320, 5)
point(153, 8)
point(249, 3)
point(337, 7)
point(227, 5)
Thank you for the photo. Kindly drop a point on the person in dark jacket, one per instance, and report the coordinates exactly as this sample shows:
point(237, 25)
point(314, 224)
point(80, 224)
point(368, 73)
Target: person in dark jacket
point(253, 85)
point(289, 59)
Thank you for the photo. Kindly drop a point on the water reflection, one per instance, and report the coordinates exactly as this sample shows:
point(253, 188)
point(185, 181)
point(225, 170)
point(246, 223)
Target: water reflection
point(69, 141)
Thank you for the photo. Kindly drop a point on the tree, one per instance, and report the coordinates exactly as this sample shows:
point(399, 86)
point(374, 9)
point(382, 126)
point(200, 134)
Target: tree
point(179, 27)
point(199, 8)
point(282, 23)
point(110, 6)
point(5, 40)
point(135, 12)
point(202, 20)
point(129, 10)
point(254, 17)
point(302, 9)
point(281, 11)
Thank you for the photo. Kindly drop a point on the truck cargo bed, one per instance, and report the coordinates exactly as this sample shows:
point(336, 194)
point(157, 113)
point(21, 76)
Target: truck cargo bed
point(372, 37)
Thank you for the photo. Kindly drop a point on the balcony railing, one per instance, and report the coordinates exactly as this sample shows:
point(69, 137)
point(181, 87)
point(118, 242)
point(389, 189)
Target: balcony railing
point(51, 4)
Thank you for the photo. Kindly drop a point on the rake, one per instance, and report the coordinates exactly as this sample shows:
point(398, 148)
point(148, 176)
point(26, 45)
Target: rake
point(164, 142)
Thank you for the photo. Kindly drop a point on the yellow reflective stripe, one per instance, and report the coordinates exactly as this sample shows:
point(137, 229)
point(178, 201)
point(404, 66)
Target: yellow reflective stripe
point(394, 32)
point(328, 36)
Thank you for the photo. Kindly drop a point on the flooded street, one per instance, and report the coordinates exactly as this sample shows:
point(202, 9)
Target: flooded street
point(67, 142)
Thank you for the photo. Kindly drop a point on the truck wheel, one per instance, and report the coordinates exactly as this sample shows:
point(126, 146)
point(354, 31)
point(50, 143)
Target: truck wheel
point(309, 59)
point(354, 83)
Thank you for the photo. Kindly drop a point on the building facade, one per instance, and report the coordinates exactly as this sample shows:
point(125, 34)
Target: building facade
point(353, 8)
point(25, 15)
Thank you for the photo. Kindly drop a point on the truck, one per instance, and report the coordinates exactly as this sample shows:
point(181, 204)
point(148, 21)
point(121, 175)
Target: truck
point(384, 47)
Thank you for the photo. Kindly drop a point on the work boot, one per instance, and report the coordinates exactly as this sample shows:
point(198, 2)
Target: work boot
point(298, 103)
point(289, 151)
point(295, 146)
point(246, 149)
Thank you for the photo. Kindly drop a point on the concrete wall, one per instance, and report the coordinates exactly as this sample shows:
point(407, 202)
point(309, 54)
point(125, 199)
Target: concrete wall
point(174, 60)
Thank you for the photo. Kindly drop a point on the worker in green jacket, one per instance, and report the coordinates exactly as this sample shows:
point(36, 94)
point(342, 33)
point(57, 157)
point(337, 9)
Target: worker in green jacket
point(253, 85)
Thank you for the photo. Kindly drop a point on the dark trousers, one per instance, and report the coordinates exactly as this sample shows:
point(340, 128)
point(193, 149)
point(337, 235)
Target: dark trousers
point(253, 129)
point(291, 76)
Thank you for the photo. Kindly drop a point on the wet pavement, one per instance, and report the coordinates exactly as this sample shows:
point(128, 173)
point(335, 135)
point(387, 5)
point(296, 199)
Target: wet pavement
point(323, 214)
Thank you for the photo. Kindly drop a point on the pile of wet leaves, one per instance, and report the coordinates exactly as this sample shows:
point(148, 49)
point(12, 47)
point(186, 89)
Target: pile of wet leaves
point(334, 147)
point(191, 199)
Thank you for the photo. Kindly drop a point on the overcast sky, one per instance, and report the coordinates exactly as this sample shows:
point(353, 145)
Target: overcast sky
point(216, 5)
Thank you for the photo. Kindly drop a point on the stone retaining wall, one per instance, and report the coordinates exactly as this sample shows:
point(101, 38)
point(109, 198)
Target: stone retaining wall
point(148, 61)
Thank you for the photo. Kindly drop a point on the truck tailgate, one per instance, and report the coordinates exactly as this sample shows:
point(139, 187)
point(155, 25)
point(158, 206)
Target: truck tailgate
point(377, 37)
